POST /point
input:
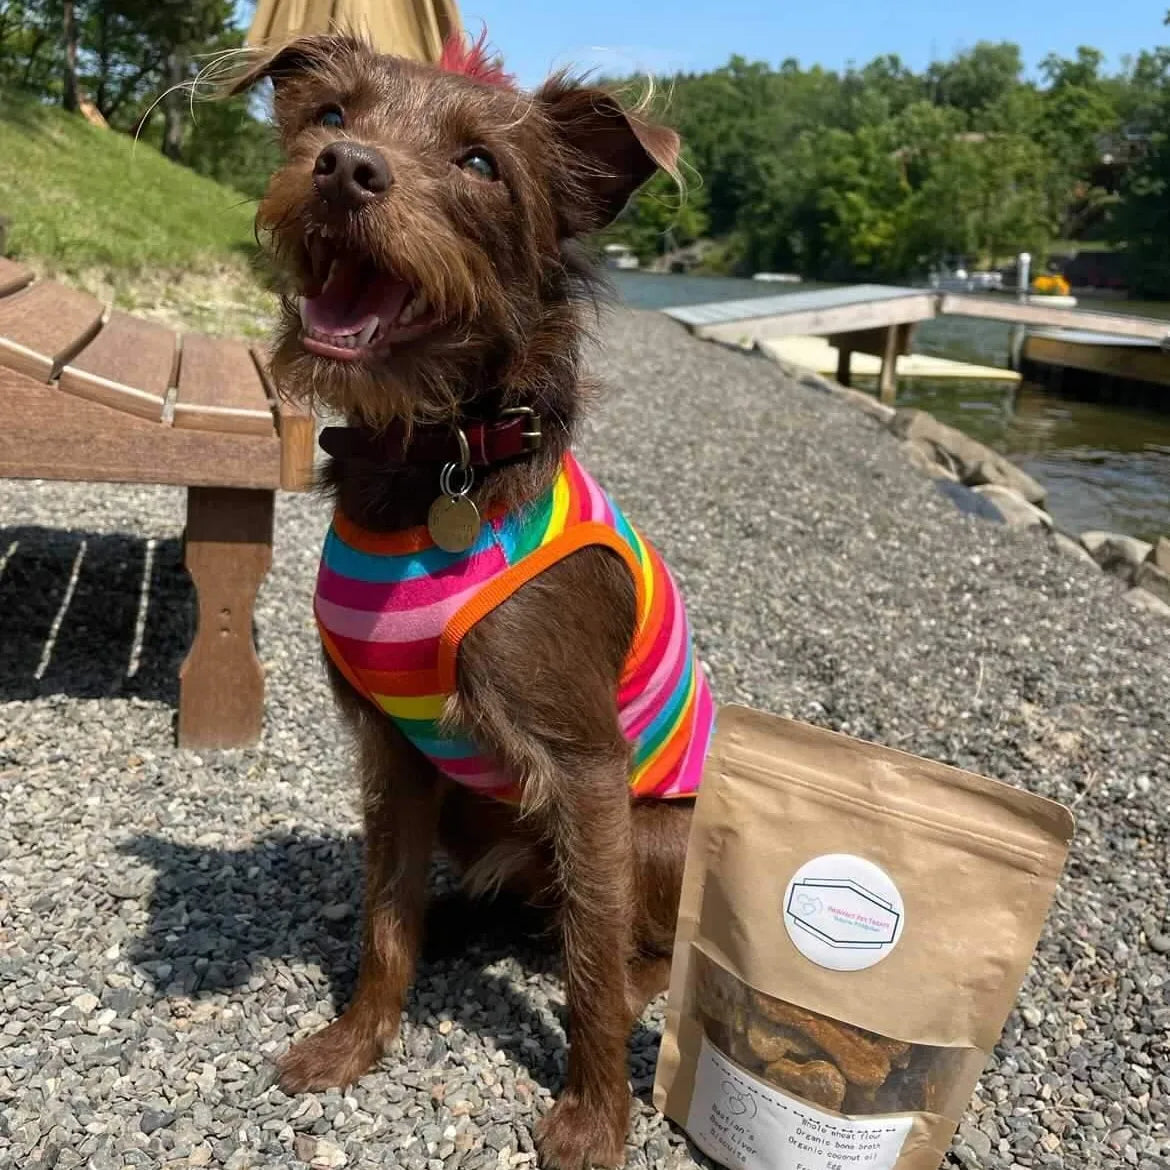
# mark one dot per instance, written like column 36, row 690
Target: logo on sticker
column 843, row 912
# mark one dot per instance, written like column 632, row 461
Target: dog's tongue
column 352, row 297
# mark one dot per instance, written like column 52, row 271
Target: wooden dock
column 879, row 319
column 818, row 355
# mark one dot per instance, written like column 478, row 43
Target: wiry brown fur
column 538, row 676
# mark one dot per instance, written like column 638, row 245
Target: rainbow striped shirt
column 392, row 609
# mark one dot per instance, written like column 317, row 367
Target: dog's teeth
column 367, row 334
column 304, row 314
column 407, row 314
column 332, row 273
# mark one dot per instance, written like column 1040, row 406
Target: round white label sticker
column 843, row 912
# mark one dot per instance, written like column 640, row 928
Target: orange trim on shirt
column 500, row 588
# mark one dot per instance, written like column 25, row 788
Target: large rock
column 1072, row 548
column 921, row 457
column 1017, row 513
column 972, row 462
column 1116, row 553
column 1154, row 580
column 1161, row 554
column 968, row 501
column 1140, row 599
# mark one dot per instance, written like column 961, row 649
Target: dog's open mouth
column 352, row 309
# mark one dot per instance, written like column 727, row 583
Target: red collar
column 516, row 432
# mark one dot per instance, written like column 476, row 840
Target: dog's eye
column 331, row 116
column 479, row 163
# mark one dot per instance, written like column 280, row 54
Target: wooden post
column 228, row 552
column 888, row 379
column 844, row 356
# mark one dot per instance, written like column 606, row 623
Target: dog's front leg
column 538, row 682
column 592, row 843
column 401, row 796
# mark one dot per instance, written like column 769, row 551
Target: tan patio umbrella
column 407, row 28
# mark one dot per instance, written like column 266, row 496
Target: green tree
column 976, row 78
column 660, row 219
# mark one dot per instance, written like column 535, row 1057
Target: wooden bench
column 92, row 394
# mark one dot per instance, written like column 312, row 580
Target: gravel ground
column 169, row 921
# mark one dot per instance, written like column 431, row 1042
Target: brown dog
column 430, row 218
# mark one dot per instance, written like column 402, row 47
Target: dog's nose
column 349, row 175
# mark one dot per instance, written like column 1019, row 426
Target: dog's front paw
column 332, row 1058
column 576, row 1135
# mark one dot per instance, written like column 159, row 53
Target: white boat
column 777, row 277
column 960, row 280
column 620, row 256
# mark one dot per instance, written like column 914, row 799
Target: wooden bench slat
column 46, row 436
column 13, row 276
column 128, row 366
column 297, row 430
column 44, row 326
column 220, row 388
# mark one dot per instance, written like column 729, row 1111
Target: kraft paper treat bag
column 854, row 928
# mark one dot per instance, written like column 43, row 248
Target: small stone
column 318, row 1152
column 86, row 1003
column 499, row 1137
column 1032, row 1016
column 337, row 911
column 153, row 1119
column 976, row 1139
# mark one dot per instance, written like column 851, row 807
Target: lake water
column 1104, row 467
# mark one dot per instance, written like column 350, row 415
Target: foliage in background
column 130, row 53
column 877, row 171
column 883, row 172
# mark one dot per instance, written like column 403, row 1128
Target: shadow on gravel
column 215, row 915
column 91, row 615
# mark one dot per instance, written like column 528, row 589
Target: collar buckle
column 533, row 437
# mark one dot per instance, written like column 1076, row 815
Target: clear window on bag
column 825, row 1061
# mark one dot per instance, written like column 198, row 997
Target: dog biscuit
column 817, row 1081
column 863, row 1062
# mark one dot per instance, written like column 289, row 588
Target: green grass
column 81, row 198
column 119, row 219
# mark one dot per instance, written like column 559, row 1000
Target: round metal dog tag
column 453, row 522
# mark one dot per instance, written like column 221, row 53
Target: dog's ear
column 291, row 59
column 612, row 151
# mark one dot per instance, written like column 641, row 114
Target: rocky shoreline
column 981, row 482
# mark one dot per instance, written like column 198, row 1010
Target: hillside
column 117, row 217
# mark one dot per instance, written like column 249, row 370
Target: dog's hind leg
column 661, row 830
column 401, row 795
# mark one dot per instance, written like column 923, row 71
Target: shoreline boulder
column 973, row 463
